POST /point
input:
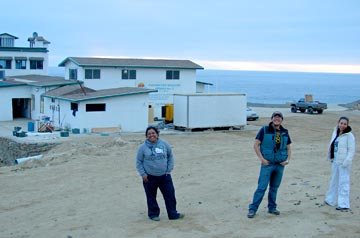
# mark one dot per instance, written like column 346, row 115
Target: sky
column 271, row 35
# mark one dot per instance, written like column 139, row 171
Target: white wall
column 209, row 110
column 13, row 71
column 36, row 113
column 7, row 94
column 128, row 112
column 150, row 78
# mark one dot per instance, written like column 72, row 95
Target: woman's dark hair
column 344, row 118
column 152, row 128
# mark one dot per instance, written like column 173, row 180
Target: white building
column 165, row 76
column 75, row 106
column 21, row 96
column 67, row 104
column 23, row 60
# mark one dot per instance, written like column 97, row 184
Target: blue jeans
column 165, row 184
column 269, row 175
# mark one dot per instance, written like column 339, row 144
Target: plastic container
column 64, row 134
column 75, row 131
column 21, row 134
column 31, row 126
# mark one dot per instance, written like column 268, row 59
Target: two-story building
column 95, row 92
column 26, row 91
column 23, row 60
column 164, row 75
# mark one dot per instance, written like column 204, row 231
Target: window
column 5, row 63
column 74, row 106
column 41, row 104
column 73, row 74
column 6, row 42
column 172, row 74
column 36, row 64
column 92, row 73
column 128, row 74
column 20, row 64
column 100, row 107
column 32, row 102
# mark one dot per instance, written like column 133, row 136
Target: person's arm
column 286, row 162
column 140, row 164
column 350, row 150
column 258, row 152
column 170, row 158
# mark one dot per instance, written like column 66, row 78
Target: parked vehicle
column 251, row 115
column 310, row 106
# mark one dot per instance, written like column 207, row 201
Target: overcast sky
column 288, row 35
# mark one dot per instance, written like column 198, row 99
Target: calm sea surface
column 277, row 87
column 282, row 87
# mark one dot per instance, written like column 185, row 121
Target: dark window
column 128, row 74
column 73, row 74
column 101, row 107
column 74, row 106
column 92, row 73
column 88, row 74
column 5, row 64
column 20, row 64
column 172, row 74
column 36, row 64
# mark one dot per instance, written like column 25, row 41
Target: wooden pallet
column 225, row 128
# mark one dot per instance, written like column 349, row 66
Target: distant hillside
column 57, row 71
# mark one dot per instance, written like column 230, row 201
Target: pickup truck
column 310, row 107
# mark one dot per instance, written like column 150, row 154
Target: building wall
column 130, row 113
column 7, row 94
column 38, row 104
column 13, row 71
column 148, row 78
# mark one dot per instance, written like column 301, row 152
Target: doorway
column 21, row 108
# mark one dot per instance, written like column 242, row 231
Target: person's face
column 277, row 120
column 342, row 124
column 152, row 136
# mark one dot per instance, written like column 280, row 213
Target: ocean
column 283, row 87
column 277, row 87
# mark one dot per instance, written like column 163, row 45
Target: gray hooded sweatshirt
column 154, row 158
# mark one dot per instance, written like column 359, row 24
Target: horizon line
column 262, row 66
column 280, row 67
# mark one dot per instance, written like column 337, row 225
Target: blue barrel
column 31, row 126
column 64, row 134
column 76, row 131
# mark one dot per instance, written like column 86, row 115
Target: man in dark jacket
column 272, row 146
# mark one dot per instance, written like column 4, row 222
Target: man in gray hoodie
column 154, row 163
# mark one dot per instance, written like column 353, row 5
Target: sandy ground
column 88, row 186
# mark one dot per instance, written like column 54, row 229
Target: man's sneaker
column 342, row 208
column 326, row 203
column 155, row 218
column 251, row 214
column 274, row 212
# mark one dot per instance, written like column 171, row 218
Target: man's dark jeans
column 269, row 175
